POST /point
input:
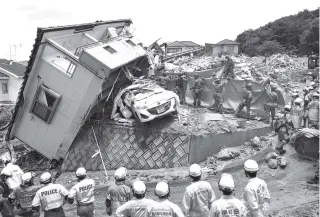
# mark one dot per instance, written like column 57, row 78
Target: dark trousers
column 29, row 214
column 197, row 100
column 58, row 212
column 85, row 210
column 243, row 104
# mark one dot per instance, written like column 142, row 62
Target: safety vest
column 50, row 196
column 165, row 208
column 227, row 205
column 118, row 194
column 83, row 191
column 24, row 195
column 136, row 208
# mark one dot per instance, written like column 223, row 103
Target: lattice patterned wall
column 129, row 147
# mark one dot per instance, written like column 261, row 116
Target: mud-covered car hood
column 150, row 99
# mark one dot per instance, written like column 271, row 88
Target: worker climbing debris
column 229, row 68
column 217, row 94
column 281, row 127
column 197, row 90
column 11, row 172
column 246, row 100
column 198, row 196
column 256, row 196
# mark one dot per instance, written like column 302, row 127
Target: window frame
column 7, row 87
column 131, row 43
column 54, row 107
column 112, row 51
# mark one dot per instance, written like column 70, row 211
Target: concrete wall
column 137, row 149
column 77, row 94
column 202, row 147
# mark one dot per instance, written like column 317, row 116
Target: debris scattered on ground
column 227, row 154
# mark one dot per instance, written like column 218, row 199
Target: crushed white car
column 145, row 102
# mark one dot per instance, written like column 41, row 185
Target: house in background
column 224, row 46
column 178, row 46
column 11, row 77
column 70, row 73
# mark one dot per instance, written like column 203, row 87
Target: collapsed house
column 70, row 75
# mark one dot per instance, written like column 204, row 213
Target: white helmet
column 45, row 178
column 81, row 172
column 6, row 171
column 120, row 173
column 312, row 83
column 195, row 170
column 226, row 182
column 251, row 166
column 298, row 100
column 162, row 189
column 26, row 177
column 287, row 107
column 5, row 159
column 139, row 187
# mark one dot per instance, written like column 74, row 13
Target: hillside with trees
column 295, row 34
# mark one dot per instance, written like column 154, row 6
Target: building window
column 4, row 88
column 71, row 68
column 45, row 103
column 131, row 43
column 110, row 49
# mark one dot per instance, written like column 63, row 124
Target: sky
column 201, row 21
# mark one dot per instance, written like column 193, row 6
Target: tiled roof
column 40, row 32
column 3, row 75
column 227, row 41
column 183, row 44
column 15, row 68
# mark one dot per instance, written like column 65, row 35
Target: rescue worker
column 228, row 70
column 198, row 196
column 12, row 173
column 24, row 194
column 227, row 204
column 293, row 98
column 306, row 100
column 217, row 94
column 140, row 207
column 282, row 126
column 164, row 81
column 256, row 196
column 182, row 83
column 297, row 113
column 271, row 105
column 50, row 197
column 118, row 193
column 6, row 208
column 164, row 208
column 246, row 100
column 83, row 193
column 315, row 179
column 313, row 112
column 197, row 90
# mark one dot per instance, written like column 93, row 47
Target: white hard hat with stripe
column 251, row 166
column 81, row 172
column 139, row 187
column 26, row 177
column 45, row 177
column 120, row 173
column 195, row 170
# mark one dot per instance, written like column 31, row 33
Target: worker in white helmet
column 118, row 193
column 297, row 113
column 227, row 204
column 256, row 196
column 50, row 197
column 140, row 207
column 24, row 194
column 6, row 208
column 12, row 173
column 312, row 112
column 83, row 193
column 198, row 196
column 294, row 96
column 164, row 208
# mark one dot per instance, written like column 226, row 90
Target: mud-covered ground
column 290, row 194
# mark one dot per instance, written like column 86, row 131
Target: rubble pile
column 274, row 161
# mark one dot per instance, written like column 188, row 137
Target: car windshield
column 144, row 93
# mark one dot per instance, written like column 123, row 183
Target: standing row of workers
column 121, row 200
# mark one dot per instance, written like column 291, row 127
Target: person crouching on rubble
column 297, row 114
column 164, row 207
column 83, row 192
column 256, row 196
column 51, row 197
column 246, row 100
column 227, row 204
column 24, row 194
column 6, row 208
column 12, row 173
column 198, row 196
column 118, row 193
column 313, row 112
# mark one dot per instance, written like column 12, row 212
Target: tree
column 270, row 47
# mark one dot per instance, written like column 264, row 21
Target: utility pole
column 13, row 48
